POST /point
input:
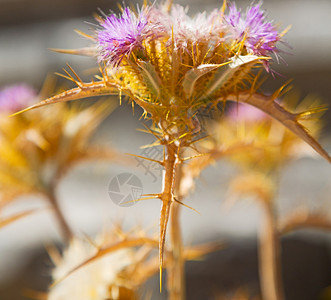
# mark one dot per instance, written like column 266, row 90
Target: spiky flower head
column 165, row 59
column 120, row 35
column 271, row 145
column 259, row 36
column 16, row 97
column 114, row 266
column 172, row 64
column 94, row 280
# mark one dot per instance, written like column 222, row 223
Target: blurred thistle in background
column 38, row 148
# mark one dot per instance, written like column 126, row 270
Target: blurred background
column 28, row 28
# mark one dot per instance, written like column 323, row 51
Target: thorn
column 63, row 76
column 143, row 157
column 282, row 90
column 194, row 156
column 158, row 195
column 152, row 132
column 308, row 113
column 140, row 199
column 87, row 51
column 156, row 143
column 178, row 138
column 168, row 5
column 73, row 71
column 83, row 34
column 187, row 206
column 223, row 9
column 285, row 31
column 90, row 241
column 72, row 78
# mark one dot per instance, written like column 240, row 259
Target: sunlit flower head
column 259, row 36
column 16, row 97
column 93, row 281
column 120, row 35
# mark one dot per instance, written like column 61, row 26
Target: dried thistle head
column 113, row 266
column 172, row 64
column 254, row 141
column 271, row 144
column 38, row 147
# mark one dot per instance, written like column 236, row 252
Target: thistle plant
column 259, row 171
column 173, row 65
column 38, row 148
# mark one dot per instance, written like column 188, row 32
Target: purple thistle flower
column 121, row 35
column 16, row 97
column 260, row 36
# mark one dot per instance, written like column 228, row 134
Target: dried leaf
column 194, row 74
column 231, row 73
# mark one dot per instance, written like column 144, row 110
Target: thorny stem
column 171, row 185
column 176, row 267
column 166, row 197
column 65, row 228
column 269, row 257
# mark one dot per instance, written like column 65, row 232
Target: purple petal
column 16, row 97
column 121, row 35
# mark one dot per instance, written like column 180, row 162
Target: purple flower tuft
column 121, row 35
column 260, row 36
column 16, row 97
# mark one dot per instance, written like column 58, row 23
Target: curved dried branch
column 84, row 90
column 302, row 220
